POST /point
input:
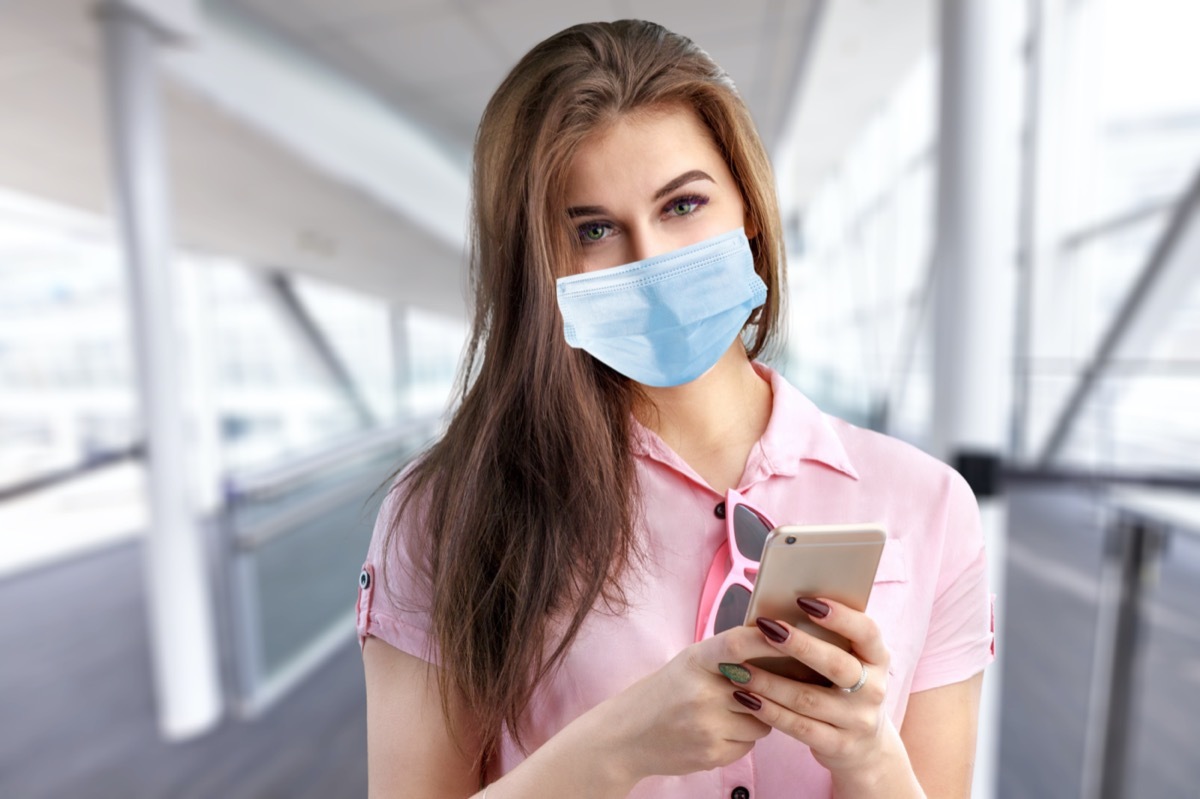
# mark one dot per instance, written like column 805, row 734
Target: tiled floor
column 76, row 706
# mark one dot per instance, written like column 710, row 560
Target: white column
column 182, row 634
column 1045, row 330
column 974, row 284
column 402, row 362
column 199, row 380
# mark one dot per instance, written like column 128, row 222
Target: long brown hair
column 528, row 503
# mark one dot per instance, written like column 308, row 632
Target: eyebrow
column 670, row 186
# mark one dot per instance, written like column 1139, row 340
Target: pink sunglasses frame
column 729, row 568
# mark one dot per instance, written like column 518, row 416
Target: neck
column 728, row 405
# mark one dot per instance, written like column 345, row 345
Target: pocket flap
column 892, row 566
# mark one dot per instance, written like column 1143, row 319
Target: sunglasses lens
column 750, row 531
column 732, row 610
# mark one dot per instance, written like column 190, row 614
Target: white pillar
column 974, row 284
column 402, row 362
column 1044, row 332
column 182, row 631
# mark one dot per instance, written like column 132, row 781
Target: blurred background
column 233, row 298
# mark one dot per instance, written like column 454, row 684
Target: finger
column 744, row 726
column 839, row 666
column 736, row 645
column 805, row 699
column 855, row 626
column 819, row 735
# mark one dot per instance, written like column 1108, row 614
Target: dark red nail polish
column 772, row 629
column 813, row 607
column 748, row 700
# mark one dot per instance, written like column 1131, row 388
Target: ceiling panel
column 416, row 51
column 740, row 59
column 517, row 25
column 60, row 24
column 233, row 191
column 324, row 14
column 709, row 21
column 461, row 102
column 407, row 52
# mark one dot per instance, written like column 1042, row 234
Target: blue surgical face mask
column 668, row 319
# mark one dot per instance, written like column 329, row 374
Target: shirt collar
column 797, row 431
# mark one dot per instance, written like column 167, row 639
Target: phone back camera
column 791, row 539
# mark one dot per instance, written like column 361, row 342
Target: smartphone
column 834, row 561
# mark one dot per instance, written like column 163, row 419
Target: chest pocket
column 889, row 603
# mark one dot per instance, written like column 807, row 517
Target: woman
column 529, row 602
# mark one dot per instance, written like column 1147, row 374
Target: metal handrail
column 1092, row 477
column 277, row 476
column 90, row 464
column 250, row 537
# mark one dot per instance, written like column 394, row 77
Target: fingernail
column 813, row 607
column 736, row 673
column 748, row 700
column 772, row 629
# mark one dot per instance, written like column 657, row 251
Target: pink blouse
column 930, row 597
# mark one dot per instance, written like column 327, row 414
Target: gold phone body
column 834, row 561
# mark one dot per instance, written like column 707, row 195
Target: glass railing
column 1101, row 644
column 292, row 540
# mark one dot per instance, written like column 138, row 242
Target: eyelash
column 698, row 201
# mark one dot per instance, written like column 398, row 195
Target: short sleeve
column 960, row 640
column 394, row 598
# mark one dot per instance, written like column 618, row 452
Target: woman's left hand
column 844, row 730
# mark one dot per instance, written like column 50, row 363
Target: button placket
column 738, row 777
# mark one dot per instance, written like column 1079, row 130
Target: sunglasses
column 730, row 581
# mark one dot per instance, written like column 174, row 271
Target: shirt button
column 719, row 512
column 740, row 793
column 364, row 580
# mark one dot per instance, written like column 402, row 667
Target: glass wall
column 857, row 284
column 67, row 395
column 255, row 391
column 1132, row 148
column 1129, row 135
column 1123, row 137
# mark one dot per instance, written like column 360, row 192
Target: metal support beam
column 332, row 123
column 974, row 275
column 279, row 290
column 182, row 631
column 1131, row 556
column 1168, row 275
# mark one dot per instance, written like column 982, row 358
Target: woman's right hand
column 677, row 720
column 684, row 718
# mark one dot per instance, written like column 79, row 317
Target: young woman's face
column 649, row 183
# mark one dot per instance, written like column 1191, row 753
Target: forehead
column 638, row 152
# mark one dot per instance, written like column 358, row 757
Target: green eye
column 593, row 232
column 683, row 207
